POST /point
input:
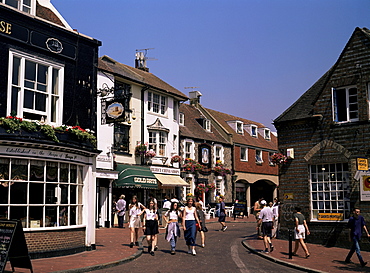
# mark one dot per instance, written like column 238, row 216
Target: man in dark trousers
column 356, row 223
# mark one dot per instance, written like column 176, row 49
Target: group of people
column 191, row 217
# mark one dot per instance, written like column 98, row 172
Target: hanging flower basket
column 211, row 186
column 141, row 149
column 150, row 154
column 278, row 159
column 201, row 188
column 191, row 166
column 175, row 159
column 220, row 169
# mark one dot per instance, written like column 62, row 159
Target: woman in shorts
column 135, row 211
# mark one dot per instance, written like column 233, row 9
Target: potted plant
column 141, row 149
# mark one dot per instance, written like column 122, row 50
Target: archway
column 262, row 188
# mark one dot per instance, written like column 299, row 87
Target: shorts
column 267, row 228
column 301, row 234
column 135, row 222
column 151, row 227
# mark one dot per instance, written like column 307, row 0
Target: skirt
column 151, row 227
column 135, row 222
column 190, row 232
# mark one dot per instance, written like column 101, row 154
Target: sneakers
column 155, row 248
column 266, row 250
column 189, row 250
column 224, row 228
column 131, row 245
column 203, row 245
column 363, row 264
column 272, row 249
column 193, row 252
column 173, row 252
column 152, row 253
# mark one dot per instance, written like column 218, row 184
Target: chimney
column 140, row 61
column 194, row 97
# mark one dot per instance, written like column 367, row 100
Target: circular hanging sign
column 115, row 110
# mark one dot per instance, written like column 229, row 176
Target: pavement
column 112, row 248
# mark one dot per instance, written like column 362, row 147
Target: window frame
column 182, row 119
column 191, row 153
column 339, row 110
column 125, row 138
column 22, row 6
column 254, row 131
column 160, row 144
column 52, row 117
column 245, row 159
column 259, row 155
column 267, row 134
column 239, row 127
column 161, row 104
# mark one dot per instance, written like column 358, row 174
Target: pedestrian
column 199, row 200
column 202, row 228
column 121, row 210
column 265, row 222
column 150, row 226
column 135, row 211
column 189, row 220
column 114, row 210
column 173, row 228
column 301, row 229
column 355, row 224
column 256, row 212
column 222, row 213
column 275, row 211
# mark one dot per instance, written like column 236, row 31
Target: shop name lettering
column 40, row 153
column 145, row 180
column 5, row 27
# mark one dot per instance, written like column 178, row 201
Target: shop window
column 345, row 104
column 41, row 193
column 36, row 89
column 330, row 190
column 157, row 103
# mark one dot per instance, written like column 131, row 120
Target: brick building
column 326, row 132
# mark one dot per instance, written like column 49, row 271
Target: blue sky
column 249, row 58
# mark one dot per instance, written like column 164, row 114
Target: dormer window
column 23, row 5
column 182, row 119
column 239, row 127
column 253, row 130
column 267, row 134
column 207, row 125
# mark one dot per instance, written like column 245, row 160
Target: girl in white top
column 189, row 220
column 135, row 211
column 173, row 229
column 151, row 226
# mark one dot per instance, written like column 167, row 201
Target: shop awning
column 133, row 176
column 171, row 180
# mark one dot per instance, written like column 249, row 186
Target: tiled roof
column 192, row 129
column 108, row 64
column 47, row 14
column 304, row 106
column 245, row 139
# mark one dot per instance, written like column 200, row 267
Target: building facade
column 326, row 133
column 47, row 157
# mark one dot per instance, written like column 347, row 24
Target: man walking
column 356, row 223
column 121, row 210
column 222, row 216
column 266, row 218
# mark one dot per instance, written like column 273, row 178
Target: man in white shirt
column 266, row 218
column 275, row 211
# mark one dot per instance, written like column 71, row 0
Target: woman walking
column 202, row 220
column 300, row 231
column 189, row 220
column 173, row 229
column 151, row 226
column 136, row 209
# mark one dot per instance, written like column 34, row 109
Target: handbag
column 204, row 229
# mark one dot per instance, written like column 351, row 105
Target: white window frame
column 267, row 134
column 218, row 148
column 270, row 162
column 245, row 154
column 207, row 125
column 348, row 106
column 239, row 127
column 23, row 6
column 259, row 158
column 189, row 144
column 329, row 189
column 159, row 145
column 254, row 131
column 181, row 119
column 158, row 107
column 21, row 87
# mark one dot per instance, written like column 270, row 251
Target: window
column 123, row 91
column 267, row 134
column 121, row 138
column 175, row 110
column 259, row 156
column 270, row 162
column 239, row 127
column 243, row 154
column 41, row 193
column 219, row 153
column 254, row 131
column 157, row 103
column 345, row 104
column 182, row 119
column 330, row 189
column 207, row 125
column 23, row 5
column 174, row 145
column 157, row 142
column 35, row 89
column 188, row 150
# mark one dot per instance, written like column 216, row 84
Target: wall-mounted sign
column 365, row 188
column 288, row 196
column 204, row 156
column 14, row 31
column 330, row 216
column 362, row 164
column 54, row 45
column 115, row 110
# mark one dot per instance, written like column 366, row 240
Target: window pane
column 50, row 216
column 40, row 102
column 30, row 73
column 4, row 169
column 19, row 169
column 64, row 194
column 55, row 81
column 13, row 3
column 73, row 174
column 36, row 217
column 51, row 197
column 16, row 67
column 18, row 193
column 52, row 171
column 63, row 216
column 28, row 99
column 36, row 193
column 64, row 170
column 37, row 170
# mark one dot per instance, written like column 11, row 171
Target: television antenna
column 191, row 87
column 141, row 57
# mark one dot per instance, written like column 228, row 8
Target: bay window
column 158, row 142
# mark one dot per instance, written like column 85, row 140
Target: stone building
column 326, row 133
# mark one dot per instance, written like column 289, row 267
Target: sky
column 249, row 58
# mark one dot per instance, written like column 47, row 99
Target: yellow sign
column 5, row 27
column 288, row 196
column 362, row 164
column 331, row 216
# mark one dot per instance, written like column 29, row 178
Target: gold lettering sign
column 362, row 164
column 5, row 27
column 330, row 216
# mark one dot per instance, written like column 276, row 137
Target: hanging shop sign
column 362, row 164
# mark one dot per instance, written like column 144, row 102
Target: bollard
column 290, row 232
